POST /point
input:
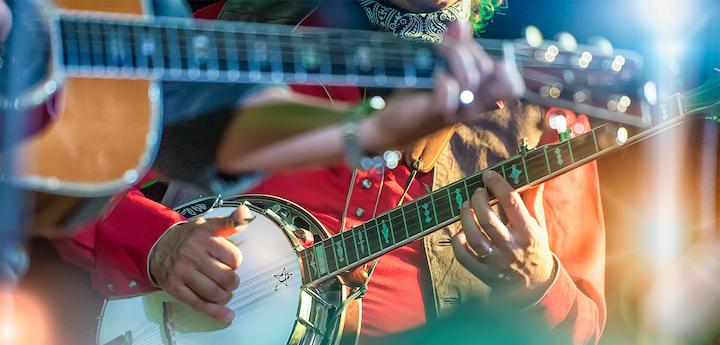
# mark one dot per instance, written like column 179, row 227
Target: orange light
column 22, row 320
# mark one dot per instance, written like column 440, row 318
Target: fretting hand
column 195, row 263
column 514, row 259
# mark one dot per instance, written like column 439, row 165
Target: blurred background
column 660, row 196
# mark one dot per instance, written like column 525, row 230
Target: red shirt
column 115, row 249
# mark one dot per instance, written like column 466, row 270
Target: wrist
column 153, row 262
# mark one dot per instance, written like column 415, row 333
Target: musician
column 405, row 117
column 549, row 258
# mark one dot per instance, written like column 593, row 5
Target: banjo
column 291, row 294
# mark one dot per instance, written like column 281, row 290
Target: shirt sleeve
column 574, row 305
column 115, row 248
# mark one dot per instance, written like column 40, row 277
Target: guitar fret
column 513, row 172
column 412, row 219
column 385, row 232
column 582, row 147
column 340, row 252
column 141, row 57
column 326, row 67
column 397, row 222
column 362, row 241
column 570, row 150
column 443, row 206
column 320, row 258
column 373, row 237
column 330, row 254
column 597, row 148
column 409, row 68
column 547, row 159
column 454, row 192
column 98, row 51
column 85, row 48
column 173, row 50
column 232, row 68
column 312, row 263
column 537, row 165
column 70, row 48
column 349, row 242
column 426, row 212
column 276, row 59
column 304, row 58
column 154, row 44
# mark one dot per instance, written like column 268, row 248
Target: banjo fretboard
column 441, row 207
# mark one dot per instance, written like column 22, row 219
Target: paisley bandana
column 428, row 26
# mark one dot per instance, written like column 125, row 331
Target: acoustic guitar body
column 104, row 132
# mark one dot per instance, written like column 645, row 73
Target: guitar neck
column 196, row 50
column 402, row 225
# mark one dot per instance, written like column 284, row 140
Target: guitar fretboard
column 196, row 50
column 435, row 210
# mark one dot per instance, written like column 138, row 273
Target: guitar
column 108, row 65
column 291, row 293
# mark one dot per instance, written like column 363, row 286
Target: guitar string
column 242, row 289
column 537, row 76
column 237, row 304
column 242, row 46
column 398, row 56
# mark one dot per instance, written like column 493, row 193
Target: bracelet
column 351, row 141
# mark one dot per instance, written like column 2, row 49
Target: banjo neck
column 440, row 208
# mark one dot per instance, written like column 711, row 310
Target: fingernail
column 486, row 175
column 229, row 316
column 244, row 221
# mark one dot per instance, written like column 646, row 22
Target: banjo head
column 270, row 305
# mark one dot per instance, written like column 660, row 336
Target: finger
column 220, row 273
column 447, row 93
column 477, row 240
column 459, row 31
column 504, row 83
column 534, row 197
column 510, row 201
column 466, row 258
column 225, row 251
column 231, row 224
column 461, row 64
column 205, row 287
column 484, row 63
column 214, row 310
column 488, row 220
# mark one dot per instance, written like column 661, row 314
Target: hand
column 412, row 115
column 471, row 70
column 196, row 264
column 514, row 259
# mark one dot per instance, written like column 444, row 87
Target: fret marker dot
column 467, row 97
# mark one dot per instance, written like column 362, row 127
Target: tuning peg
column 533, row 36
column 566, row 41
column 602, row 43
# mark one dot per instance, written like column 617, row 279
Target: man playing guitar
column 550, row 257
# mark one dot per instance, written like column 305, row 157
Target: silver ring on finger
column 486, row 254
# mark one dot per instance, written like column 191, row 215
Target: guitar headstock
column 594, row 79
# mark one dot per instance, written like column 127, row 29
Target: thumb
column 231, row 224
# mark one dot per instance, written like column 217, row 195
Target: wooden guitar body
column 104, row 132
